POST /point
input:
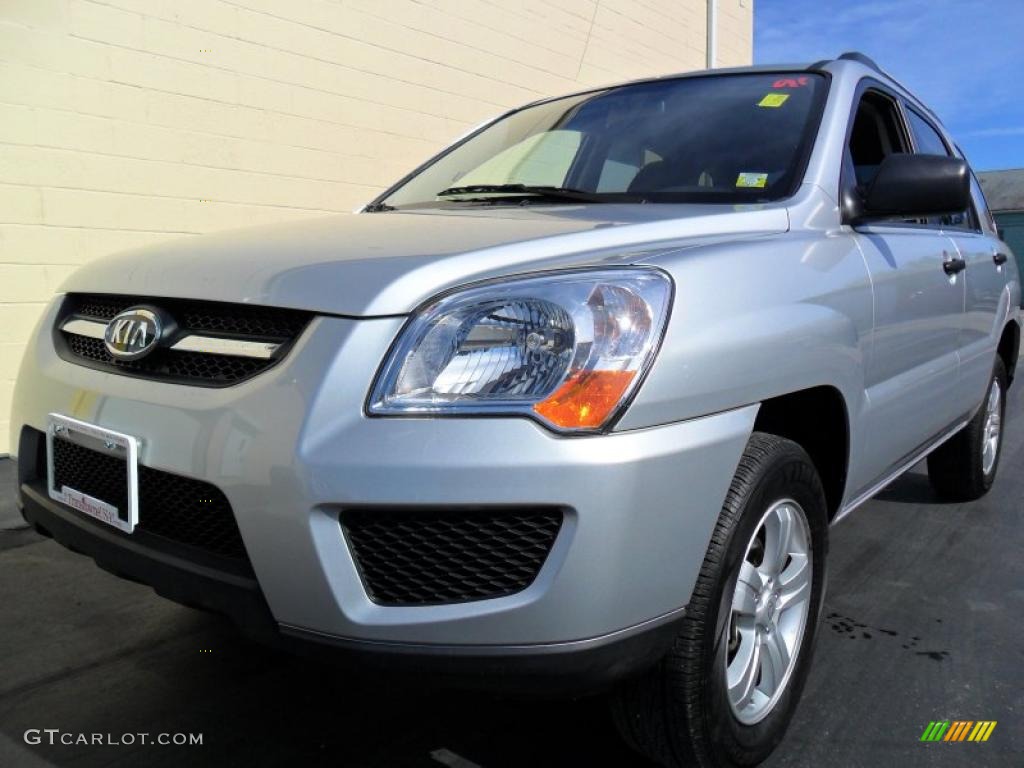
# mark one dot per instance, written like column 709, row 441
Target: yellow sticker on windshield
column 756, row 180
column 773, row 100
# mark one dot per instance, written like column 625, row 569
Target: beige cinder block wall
column 124, row 122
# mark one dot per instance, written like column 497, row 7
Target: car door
column 974, row 236
column 911, row 375
column 987, row 300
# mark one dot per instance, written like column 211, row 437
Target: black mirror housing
column 918, row 185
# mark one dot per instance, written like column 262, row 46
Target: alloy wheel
column 769, row 613
column 993, row 427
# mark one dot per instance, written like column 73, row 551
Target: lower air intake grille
column 91, row 472
column 178, row 509
column 449, row 556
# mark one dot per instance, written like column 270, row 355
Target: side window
column 877, row 133
column 930, row 142
column 988, row 221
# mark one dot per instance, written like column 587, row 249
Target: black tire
column 956, row 468
column 678, row 713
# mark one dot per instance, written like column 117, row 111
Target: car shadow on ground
column 912, row 488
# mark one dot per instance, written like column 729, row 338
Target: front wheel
column 964, row 467
column 725, row 693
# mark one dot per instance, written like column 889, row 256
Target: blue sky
column 963, row 58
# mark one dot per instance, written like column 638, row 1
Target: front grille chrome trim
column 208, row 345
column 212, row 345
column 80, row 327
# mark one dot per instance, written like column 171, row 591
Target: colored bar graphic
column 958, row 730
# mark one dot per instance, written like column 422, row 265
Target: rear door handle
column 1000, row 258
column 952, row 266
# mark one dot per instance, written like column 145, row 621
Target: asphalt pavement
column 923, row 621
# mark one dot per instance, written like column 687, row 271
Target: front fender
column 749, row 358
column 759, row 319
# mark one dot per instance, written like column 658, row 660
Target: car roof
column 852, row 64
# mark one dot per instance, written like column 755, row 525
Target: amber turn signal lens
column 586, row 400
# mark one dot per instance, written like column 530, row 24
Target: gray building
column 1004, row 191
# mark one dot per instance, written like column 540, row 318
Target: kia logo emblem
column 132, row 334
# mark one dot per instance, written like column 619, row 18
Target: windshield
column 720, row 139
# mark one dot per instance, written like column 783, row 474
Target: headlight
column 566, row 348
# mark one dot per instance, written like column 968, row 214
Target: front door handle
column 952, row 266
column 1000, row 258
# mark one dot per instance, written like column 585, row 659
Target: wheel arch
column 1009, row 348
column 818, row 420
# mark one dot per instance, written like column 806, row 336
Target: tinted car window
column 929, row 142
column 985, row 217
column 716, row 138
column 875, row 135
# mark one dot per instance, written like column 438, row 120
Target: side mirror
column 918, row 185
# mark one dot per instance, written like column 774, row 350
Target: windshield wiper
column 553, row 193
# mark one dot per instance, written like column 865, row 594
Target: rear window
column 714, row 139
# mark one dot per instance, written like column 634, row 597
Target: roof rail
column 867, row 61
column 864, row 59
column 857, row 56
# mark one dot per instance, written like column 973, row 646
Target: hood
column 376, row 264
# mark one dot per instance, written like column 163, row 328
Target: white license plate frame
column 97, row 438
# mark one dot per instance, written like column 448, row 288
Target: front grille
column 190, row 513
column 174, row 366
column 231, row 321
column 449, row 556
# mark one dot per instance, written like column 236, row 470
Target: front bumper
column 552, row 668
column 292, row 448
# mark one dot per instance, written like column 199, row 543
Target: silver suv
column 573, row 405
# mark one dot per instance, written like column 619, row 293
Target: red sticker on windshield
column 790, row 82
